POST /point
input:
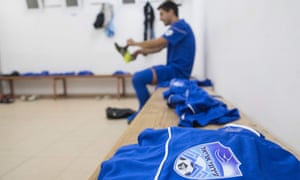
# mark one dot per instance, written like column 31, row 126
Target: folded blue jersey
column 232, row 153
column 195, row 107
column 178, row 86
column 215, row 115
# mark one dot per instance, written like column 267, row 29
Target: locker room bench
column 156, row 114
column 120, row 89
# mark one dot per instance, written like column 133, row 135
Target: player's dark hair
column 168, row 5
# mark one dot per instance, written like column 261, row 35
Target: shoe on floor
column 32, row 98
column 118, row 113
column 6, row 99
column 29, row 98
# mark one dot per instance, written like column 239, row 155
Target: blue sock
column 140, row 80
column 131, row 117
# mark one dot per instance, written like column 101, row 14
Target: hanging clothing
column 149, row 21
column 109, row 26
column 104, row 19
column 99, row 22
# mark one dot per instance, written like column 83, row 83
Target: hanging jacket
column 148, row 22
column 99, row 22
column 105, row 19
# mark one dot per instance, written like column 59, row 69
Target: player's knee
column 140, row 78
column 137, row 78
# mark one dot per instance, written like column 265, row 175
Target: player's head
column 168, row 10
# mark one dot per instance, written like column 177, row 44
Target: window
column 72, row 3
column 32, row 4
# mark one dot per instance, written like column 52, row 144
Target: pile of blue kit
column 195, row 107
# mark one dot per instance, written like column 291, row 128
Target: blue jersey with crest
column 233, row 152
column 181, row 48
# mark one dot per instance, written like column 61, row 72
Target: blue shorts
column 164, row 73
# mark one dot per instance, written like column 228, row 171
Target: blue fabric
column 202, row 83
column 140, row 80
column 181, row 48
column 120, row 72
column 30, row 74
column 195, row 107
column 178, row 86
column 85, row 73
column 47, row 73
column 71, row 73
column 164, row 73
column 110, row 28
column 174, row 100
column 43, row 73
column 231, row 153
column 132, row 117
column 180, row 60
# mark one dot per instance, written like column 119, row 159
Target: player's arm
column 145, row 52
column 154, row 44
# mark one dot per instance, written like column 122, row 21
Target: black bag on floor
column 118, row 113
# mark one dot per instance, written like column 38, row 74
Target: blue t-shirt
column 181, row 48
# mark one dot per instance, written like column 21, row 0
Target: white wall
column 1, row 88
column 253, row 59
column 61, row 39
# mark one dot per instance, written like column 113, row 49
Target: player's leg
column 140, row 80
column 154, row 76
column 162, row 73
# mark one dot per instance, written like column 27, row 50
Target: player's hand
column 130, row 42
column 135, row 54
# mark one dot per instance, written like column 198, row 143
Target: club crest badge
column 207, row 161
column 169, row 32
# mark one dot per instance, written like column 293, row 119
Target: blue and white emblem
column 207, row 161
column 169, row 32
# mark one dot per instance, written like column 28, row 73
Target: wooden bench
column 156, row 114
column 120, row 88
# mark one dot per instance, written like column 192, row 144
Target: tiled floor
column 62, row 139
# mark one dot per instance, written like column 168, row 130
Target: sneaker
column 29, row 98
column 6, row 99
column 118, row 113
column 32, row 98
column 124, row 52
column 23, row 98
